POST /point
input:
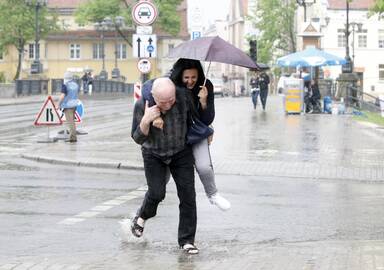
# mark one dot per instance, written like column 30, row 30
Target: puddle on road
column 16, row 167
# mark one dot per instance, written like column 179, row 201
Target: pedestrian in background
column 166, row 150
column 68, row 101
column 87, row 82
column 84, row 79
column 90, row 83
column 264, row 88
column 255, row 88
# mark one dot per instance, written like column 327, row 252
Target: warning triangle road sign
column 62, row 116
column 48, row 115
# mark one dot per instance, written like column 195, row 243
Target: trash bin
column 327, row 104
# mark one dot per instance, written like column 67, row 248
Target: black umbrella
column 212, row 49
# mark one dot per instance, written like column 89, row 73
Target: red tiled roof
column 355, row 4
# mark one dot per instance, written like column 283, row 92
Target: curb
column 104, row 165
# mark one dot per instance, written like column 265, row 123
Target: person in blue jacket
column 189, row 74
column 68, row 101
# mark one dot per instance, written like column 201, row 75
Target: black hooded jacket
column 208, row 115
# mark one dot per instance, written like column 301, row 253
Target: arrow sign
column 138, row 46
column 144, row 46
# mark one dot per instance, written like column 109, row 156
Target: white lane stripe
column 56, row 267
column 71, row 221
column 126, row 198
column 8, row 266
column 87, row 214
column 101, row 208
column 114, row 202
column 25, row 266
column 98, row 209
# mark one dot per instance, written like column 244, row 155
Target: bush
column 2, row 77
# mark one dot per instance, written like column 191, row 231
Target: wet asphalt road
column 287, row 212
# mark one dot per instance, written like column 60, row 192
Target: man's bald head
column 164, row 93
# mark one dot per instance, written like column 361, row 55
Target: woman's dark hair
column 183, row 64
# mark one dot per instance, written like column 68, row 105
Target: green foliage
column 2, row 77
column 378, row 8
column 96, row 10
column 371, row 117
column 17, row 24
column 275, row 21
column 168, row 19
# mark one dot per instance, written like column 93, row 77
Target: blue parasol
column 310, row 57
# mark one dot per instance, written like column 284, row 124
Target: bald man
column 166, row 149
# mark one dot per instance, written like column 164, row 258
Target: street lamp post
column 359, row 27
column 36, row 66
column 348, row 66
column 305, row 4
column 118, row 22
column 102, row 27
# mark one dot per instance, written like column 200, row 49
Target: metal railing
column 31, row 87
column 360, row 100
column 38, row 87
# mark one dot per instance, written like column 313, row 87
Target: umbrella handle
column 205, row 80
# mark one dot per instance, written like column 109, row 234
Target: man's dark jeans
column 263, row 97
column 182, row 171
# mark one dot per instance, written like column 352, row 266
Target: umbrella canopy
column 213, row 49
column 310, row 57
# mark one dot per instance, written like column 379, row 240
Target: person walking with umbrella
column 189, row 73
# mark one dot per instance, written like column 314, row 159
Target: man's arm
column 142, row 119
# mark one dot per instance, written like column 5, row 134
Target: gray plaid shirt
column 171, row 139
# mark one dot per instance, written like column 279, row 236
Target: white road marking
column 107, row 205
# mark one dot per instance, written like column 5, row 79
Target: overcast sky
column 210, row 10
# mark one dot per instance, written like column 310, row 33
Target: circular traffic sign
column 150, row 48
column 144, row 13
column 144, row 65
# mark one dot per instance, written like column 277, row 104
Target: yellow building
column 79, row 49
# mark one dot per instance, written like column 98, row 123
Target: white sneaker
column 220, row 202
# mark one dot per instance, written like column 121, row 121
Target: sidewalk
column 22, row 100
column 246, row 142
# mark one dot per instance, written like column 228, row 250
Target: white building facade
column 366, row 43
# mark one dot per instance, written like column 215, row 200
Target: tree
column 96, row 10
column 274, row 20
column 378, row 8
column 17, row 26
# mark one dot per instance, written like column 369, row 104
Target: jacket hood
column 183, row 64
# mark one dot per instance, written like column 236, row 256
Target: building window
column 362, row 39
column 32, row 51
column 121, row 51
column 341, row 41
column 74, row 50
column 170, row 47
column 381, row 38
column 381, row 72
column 98, row 51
